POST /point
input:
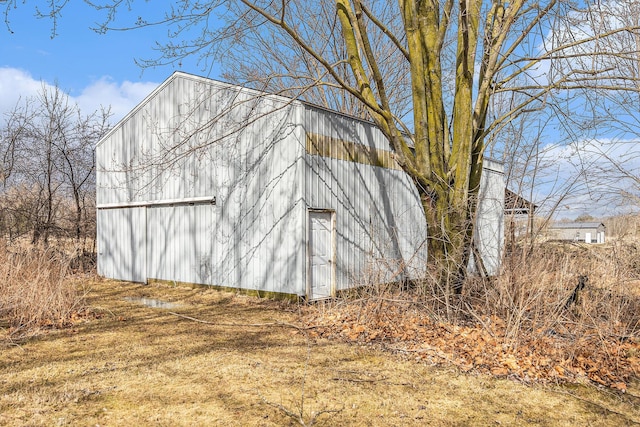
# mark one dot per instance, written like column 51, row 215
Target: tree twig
column 251, row 325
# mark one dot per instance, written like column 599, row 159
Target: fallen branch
column 375, row 380
column 486, row 327
column 247, row 325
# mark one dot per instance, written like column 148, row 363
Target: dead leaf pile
column 537, row 356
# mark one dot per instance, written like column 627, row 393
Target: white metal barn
column 209, row 183
column 588, row 232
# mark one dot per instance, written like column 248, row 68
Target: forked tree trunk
column 450, row 228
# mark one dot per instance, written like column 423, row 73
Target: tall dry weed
column 571, row 290
column 36, row 289
column 556, row 312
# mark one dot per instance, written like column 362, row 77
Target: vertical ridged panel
column 223, row 145
column 126, row 259
column 490, row 216
column 379, row 220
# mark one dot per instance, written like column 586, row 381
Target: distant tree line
column 47, row 169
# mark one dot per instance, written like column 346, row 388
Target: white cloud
column 121, row 97
column 596, row 177
column 16, row 85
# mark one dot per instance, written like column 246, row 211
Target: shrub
column 557, row 312
column 36, row 289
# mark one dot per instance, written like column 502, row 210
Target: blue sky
column 94, row 69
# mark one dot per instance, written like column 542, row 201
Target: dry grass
column 528, row 323
column 36, row 290
column 135, row 365
column 539, row 289
column 536, row 290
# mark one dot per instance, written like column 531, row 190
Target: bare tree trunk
column 450, row 234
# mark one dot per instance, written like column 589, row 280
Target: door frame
column 308, row 251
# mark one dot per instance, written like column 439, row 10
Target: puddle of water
column 152, row 302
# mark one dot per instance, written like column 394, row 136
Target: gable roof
column 516, row 204
column 182, row 75
column 566, row 225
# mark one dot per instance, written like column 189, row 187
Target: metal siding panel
column 257, row 219
column 371, row 204
column 272, row 242
column 179, row 243
column 156, row 243
column 205, row 248
column 489, row 229
column 121, row 244
column 189, row 244
column 177, row 222
column 104, row 231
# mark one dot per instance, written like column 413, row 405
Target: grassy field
column 131, row 364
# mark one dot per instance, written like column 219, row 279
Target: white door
column 587, row 237
column 320, row 254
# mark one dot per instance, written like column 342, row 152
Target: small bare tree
column 47, row 150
